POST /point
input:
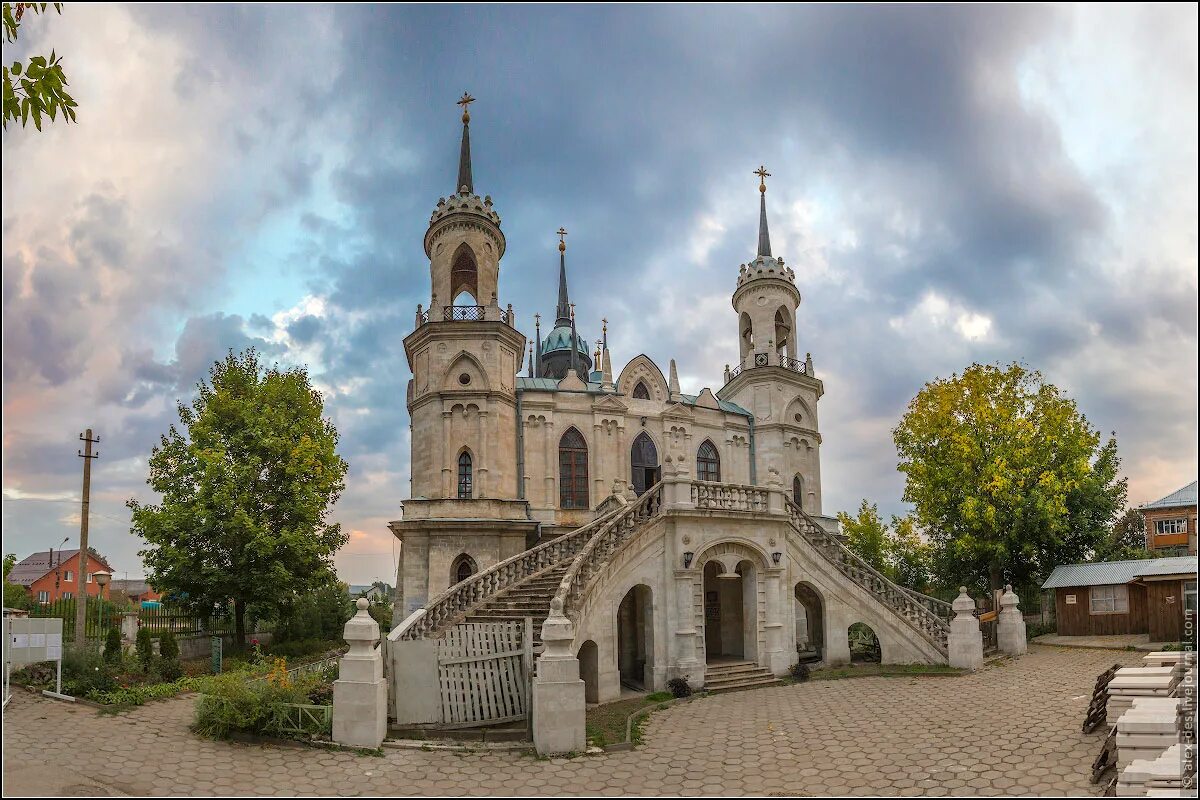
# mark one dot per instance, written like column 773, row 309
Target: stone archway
column 728, row 575
column 810, row 622
column 589, row 671
column 635, row 638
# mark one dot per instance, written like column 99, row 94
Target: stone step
column 726, row 677
column 756, row 682
column 731, row 667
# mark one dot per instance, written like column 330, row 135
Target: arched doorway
column 864, row 644
column 635, row 638
column 730, row 612
column 589, row 671
column 462, row 568
column 810, row 623
column 643, row 460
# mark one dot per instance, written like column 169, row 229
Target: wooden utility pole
column 81, row 573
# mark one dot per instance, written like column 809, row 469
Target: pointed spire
column 564, row 303
column 764, row 236
column 537, row 324
column 674, row 384
column 606, row 376
column 531, row 359
column 464, row 154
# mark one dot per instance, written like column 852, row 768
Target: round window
column 464, row 379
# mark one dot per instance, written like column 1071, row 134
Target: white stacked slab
column 1148, row 729
column 1165, row 658
column 1144, row 775
column 1133, row 682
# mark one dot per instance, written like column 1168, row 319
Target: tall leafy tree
column 34, row 88
column 1007, row 477
column 895, row 550
column 246, row 490
column 1126, row 539
column 15, row 595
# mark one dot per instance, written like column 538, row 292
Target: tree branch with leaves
column 35, row 88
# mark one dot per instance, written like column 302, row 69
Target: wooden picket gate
column 484, row 672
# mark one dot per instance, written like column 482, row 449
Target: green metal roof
column 1106, row 573
column 560, row 339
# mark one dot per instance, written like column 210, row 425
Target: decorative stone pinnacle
column 362, row 604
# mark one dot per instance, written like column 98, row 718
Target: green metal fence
column 102, row 615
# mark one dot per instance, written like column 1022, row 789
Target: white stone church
column 574, row 532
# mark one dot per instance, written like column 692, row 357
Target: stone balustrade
column 451, row 606
column 919, row 611
column 729, row 497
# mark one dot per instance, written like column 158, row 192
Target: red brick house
column 51, row 574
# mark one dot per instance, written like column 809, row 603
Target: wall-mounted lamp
column 776, row 558
column 687, row 559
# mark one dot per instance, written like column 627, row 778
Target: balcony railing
column 765, row 360
column 463, row 314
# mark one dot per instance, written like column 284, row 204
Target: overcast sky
column 950, row 184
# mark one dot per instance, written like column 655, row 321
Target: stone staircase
column 732, row 676
column 529, row 598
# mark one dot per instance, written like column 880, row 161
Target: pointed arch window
column 708, row 462
column 798, row 491
column 465, row 476
column 572, row 470
column 643, row 461
column 640, row 391
column 464, row 274
column 462, row 568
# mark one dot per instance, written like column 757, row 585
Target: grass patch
column 882, row 671
column 606, row 723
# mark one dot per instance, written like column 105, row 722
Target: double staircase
column 529, row 598
column 732, row 676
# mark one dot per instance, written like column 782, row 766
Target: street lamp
column 101, row 580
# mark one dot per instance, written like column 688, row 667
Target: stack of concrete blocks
column 1133, row 682
column 1147, row 729
column 1164, row 776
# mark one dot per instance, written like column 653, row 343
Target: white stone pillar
column 776, row 658
column 482, row 468
column 360, row 692
column 551, row 463
column 1010, row 628
column 559, row 699
column 965, row 641
column 129, row 628
column 687, row 664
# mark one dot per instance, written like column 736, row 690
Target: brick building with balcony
column 1171, row 523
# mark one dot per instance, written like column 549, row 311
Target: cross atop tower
column 465, row 101
column 762, row 174
column 562, row 243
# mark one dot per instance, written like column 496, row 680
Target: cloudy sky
column 950, row 184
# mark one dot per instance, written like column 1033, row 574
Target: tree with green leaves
column 15, row 595
column 1007, row 477
column 35, row 88
column 246, row 490
column 1126, row 539
column 895, row 550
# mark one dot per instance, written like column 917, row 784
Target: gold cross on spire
column 465, row 102
column 572, row 310
column 762, row 174
column 537, row 319
column 562, row 244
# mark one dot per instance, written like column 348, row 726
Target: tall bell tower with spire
column 772, row 379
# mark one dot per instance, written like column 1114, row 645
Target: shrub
column 86, row 671
column 168, row 670
column 800, row 672
column 168, row 648
column 1034, row 629
column 679, row 687
column 112, row 646
column 232, row 704
column 144, row 647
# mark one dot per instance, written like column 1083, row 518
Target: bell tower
column 464, row 352
column 771, row 378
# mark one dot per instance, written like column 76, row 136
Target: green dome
column 560, row 339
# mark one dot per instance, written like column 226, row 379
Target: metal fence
column 102, row 615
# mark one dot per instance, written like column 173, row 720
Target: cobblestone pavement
column 1010, row 729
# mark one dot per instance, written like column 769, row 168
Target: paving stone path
column 1012, row 729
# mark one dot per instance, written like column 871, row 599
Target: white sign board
column 32, row 639
column 1070, row 599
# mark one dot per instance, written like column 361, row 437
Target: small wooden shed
column 1151, row 596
